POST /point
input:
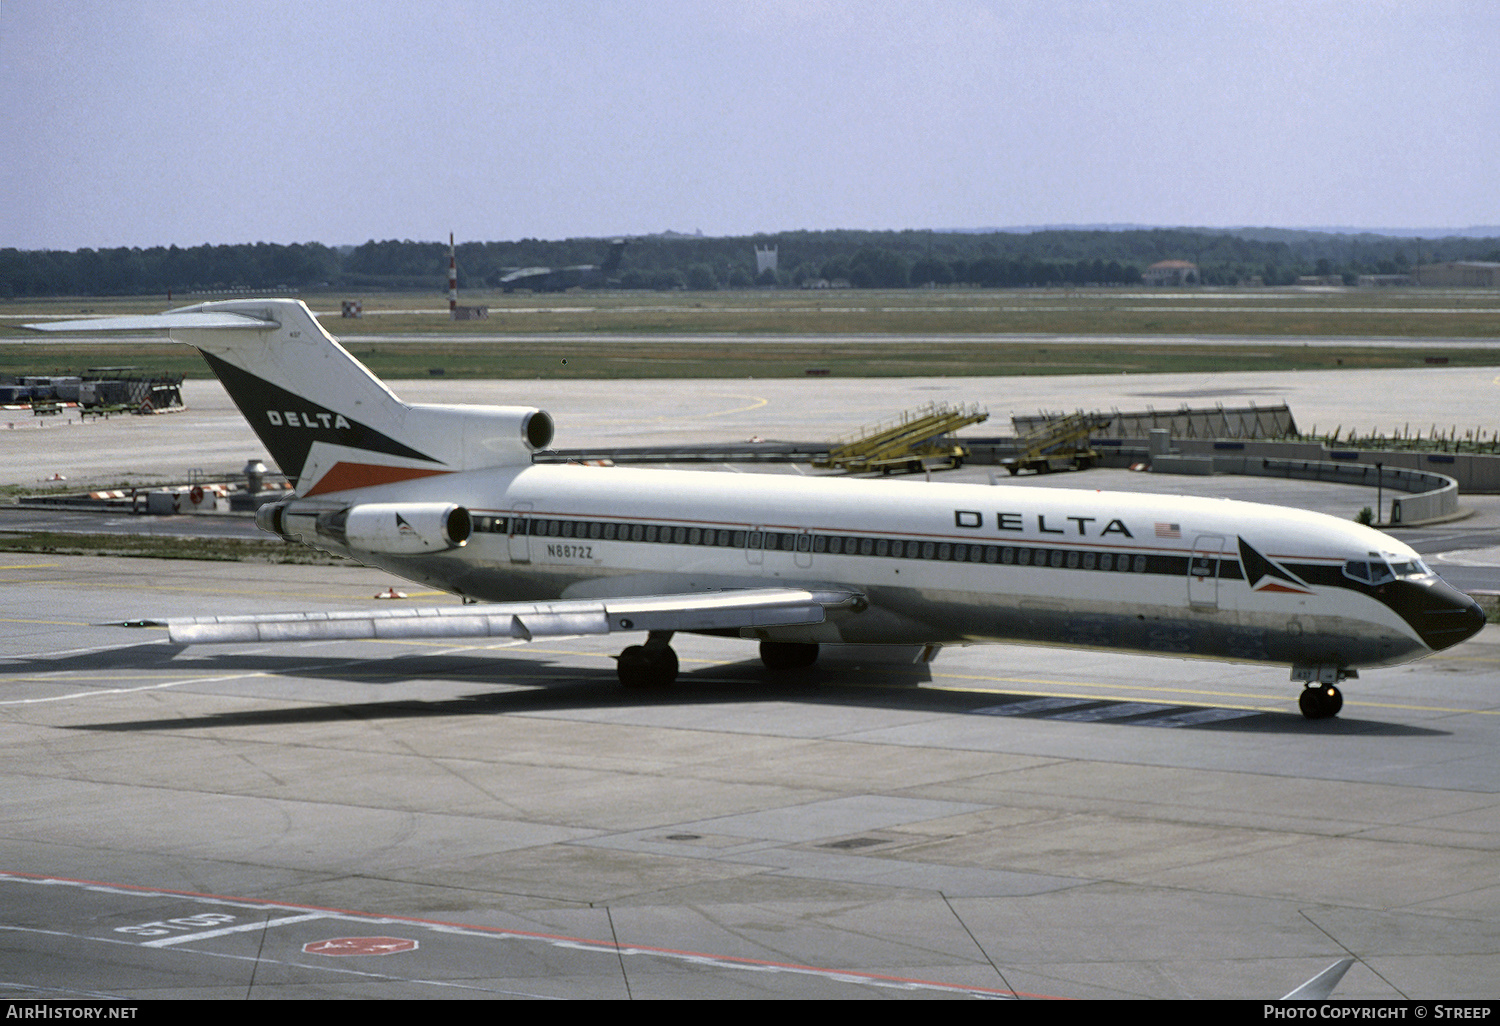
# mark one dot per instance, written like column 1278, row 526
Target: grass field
column 406, row 335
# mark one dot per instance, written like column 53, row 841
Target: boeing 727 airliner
column 449, row 496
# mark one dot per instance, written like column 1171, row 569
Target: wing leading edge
column 699, row 611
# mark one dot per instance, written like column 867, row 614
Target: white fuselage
column 939, row 563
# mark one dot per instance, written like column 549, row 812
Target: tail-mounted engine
column 406, row 528
column 393, row 528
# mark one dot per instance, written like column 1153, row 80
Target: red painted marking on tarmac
column 359, row 946
column 500, row 931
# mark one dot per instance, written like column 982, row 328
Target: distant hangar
column 1460, row 274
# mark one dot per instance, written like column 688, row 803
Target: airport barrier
column 1427, row 496
column 1174, row 464
column 1247, row 431
column 1476, row 473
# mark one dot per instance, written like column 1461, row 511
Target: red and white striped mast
column 452, row 281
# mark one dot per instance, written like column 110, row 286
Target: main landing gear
column 787, row 655
column 1321, row 698
column 652, row 665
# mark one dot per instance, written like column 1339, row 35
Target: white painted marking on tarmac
column 1197, row 716
column 551, row 940
column 84, row 651
column 261, row 959
column 1470, row 557
column 100, row 692
column 187, row 938
column 1069, row 709
column 1116, row 711
column 1034, row 705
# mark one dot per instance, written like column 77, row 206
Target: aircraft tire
column 639, row 668
column 1320, row 703
column 787, row 655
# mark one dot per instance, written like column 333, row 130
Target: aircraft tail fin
column 328, row 422
column 616, row 254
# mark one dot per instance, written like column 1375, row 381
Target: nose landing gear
column 1320, row 701
column 1321, row 698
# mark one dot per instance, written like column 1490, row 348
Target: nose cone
column 1441, row 615
column 1463, row 625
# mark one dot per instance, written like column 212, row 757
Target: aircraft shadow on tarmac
column 534, row 683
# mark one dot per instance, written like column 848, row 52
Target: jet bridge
column 910, row 443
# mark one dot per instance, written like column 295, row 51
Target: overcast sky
column 140, row 123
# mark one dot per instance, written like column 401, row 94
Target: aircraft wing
column 697, row 611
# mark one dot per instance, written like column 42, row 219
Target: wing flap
column 698, row 611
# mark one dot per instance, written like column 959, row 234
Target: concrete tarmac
column 456, row 820
column 381, row 819
column 211, row 435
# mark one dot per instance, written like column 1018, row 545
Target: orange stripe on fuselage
column 1273, row 586
column 343, row 476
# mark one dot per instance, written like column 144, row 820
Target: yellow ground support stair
column 907, row 443
column 1059, row 444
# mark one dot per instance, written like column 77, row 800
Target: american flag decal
column 1169, row 530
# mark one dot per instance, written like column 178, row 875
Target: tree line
column 858, row 259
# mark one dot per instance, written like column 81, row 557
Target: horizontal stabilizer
column 328, row 422
column 160, row 322
column 698, row 611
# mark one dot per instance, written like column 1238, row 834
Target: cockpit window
column 1378, row 571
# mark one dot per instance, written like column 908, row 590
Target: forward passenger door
column 1203, row 572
